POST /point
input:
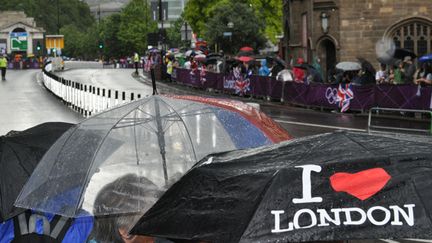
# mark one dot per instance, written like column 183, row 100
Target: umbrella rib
column 184, row 124
column 16, row 154
column 97, row 150
column 135, row 138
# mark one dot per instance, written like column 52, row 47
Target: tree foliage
column 135, row 23
column 246, row 30
column 174, row 33
column 199, row 12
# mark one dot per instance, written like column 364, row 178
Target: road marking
column 419, row 240
column 389, row 241
column 321, row 126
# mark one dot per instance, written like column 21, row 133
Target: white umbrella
column 285, row 75
column 348, row 66
column 189, row 53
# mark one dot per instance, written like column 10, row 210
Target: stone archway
column 326, row 50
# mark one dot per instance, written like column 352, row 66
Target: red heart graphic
column 361, row 185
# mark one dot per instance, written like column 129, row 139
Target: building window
column 415, row 36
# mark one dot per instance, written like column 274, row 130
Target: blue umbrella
column 426, row 58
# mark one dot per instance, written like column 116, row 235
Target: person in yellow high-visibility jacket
column 3, row 66
column 136, row 61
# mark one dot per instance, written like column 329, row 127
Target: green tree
column 271, row 12
column 73, row 41
column 174, row 33
column 247, row 28
column 197, row 13
column 108, row 29
column 135, row 23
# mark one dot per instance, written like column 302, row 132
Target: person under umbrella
column 160, row 138
column 409, row 70
column 264, row 70
column 299, row 73
column 115, row 228
column 20, row 152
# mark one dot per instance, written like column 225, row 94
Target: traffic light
column 101, row 45
column 38, row 46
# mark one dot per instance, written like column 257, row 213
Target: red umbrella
column 245, row 59
column 246, row 48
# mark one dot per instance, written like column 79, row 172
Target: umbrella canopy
column 246, row 49
column 245, row 59
column 366, row 65
column 200, row 58
column 189, row 53
column 401, row 53
column 157, row 139
column 245, row 53
column 213, row 59
column 426, row 58
column 310, row 189
column 348, row 66
column 285, row 75
column 154, row 50
column 20, row 152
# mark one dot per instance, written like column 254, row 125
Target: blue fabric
column 78, row 231
column 6, row 231
column 243, row 133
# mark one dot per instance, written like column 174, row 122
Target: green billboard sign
column 18, row 41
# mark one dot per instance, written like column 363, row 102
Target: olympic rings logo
column 331, row 95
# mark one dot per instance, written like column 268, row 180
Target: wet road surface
column 25, row 103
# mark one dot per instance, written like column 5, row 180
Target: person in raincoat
column 3, row 66
column 299, row 74
column 264, row 70
column 170, row 67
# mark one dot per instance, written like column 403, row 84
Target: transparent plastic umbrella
column 152, row 142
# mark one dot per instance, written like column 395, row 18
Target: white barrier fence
column 86, row 99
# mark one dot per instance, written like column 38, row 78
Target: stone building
column 342, row 30
column 19, row 34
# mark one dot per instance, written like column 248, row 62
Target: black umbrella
column 401, row 53
column 366, row 65
column 335, row 186
column 20, row 152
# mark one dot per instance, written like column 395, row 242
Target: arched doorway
column 414, row 34
column 327, row 55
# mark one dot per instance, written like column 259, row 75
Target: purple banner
column 316, row 94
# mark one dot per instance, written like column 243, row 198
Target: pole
column 161, row 19
column 58, row 17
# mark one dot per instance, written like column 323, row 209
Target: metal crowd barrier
column 373, row 128
column 86, row 99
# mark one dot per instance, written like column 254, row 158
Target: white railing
column 84, row 98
